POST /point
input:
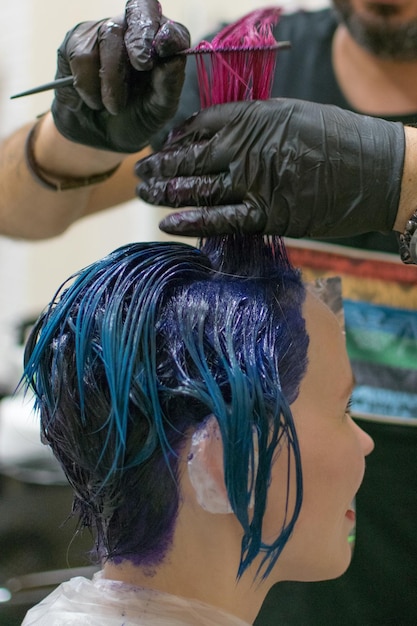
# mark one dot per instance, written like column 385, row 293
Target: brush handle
column 68, row 80
column 54, row 84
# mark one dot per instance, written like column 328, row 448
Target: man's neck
column 370, row 84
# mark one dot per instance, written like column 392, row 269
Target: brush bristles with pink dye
column 228, row 76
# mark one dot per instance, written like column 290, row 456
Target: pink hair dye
column 230, row 76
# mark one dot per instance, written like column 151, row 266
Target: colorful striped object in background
column 380, row 311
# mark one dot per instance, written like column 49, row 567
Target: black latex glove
column 285, row 167
column 127, row 84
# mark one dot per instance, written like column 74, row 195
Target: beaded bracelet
column 408, row 241
column 65, row 184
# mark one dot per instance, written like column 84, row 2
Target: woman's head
column 160, row 345
column 135, row 353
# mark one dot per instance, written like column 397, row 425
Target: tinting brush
column 202, row 49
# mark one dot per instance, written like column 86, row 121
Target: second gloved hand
column 127, row 80
column 285, row 167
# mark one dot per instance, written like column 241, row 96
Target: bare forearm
column 29, row 210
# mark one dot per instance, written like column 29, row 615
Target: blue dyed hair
column 135, row 352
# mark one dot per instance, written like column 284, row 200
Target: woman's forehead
column 328, row 361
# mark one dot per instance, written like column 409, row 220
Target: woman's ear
column 206, row 468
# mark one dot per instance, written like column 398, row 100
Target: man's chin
column 379, row 33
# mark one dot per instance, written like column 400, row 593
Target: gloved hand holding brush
column 127, row 79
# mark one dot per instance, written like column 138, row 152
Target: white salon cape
column 103, row 602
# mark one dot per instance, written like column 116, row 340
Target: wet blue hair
column 137, row 350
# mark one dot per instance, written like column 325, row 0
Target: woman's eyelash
column 349, row 405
